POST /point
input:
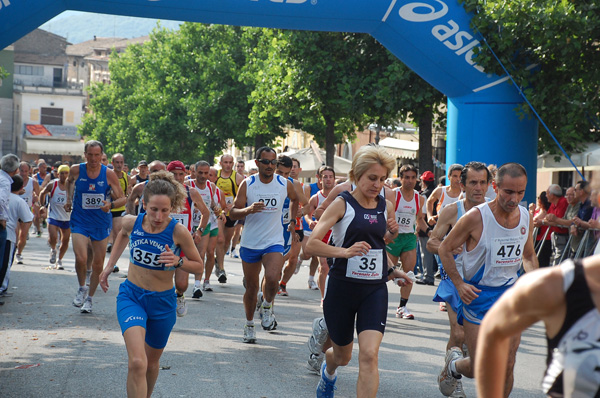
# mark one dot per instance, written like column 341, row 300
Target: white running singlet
column 58, row 197
column 264, row 229
column 406, row 212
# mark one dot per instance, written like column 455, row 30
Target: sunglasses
column 266, row 161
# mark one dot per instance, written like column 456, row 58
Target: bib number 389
column 368, row 267
column 92, row 200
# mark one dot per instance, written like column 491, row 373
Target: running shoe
column 267, row 321
column 446, row 380
column 197, row 292
column 312, row 285
column 443, row 307
column 52, row 256
column 59, row 265
column 39, row 234
column 318, row 337
column 326, row 387
column 80, row 297
column 116, row 269
column 298, row 265
column 249, row 334
column 282, row 291
column 315, row 362
column 182, row 308
column 458, row 391
column 109, row 247
column 19, row 258
column 222, row 276
column 259, row 301
column 44, row 225
column 234, row 253
column 87, row 306
column 206, row 286
column 404, row 313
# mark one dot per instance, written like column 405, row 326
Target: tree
column 178, row 96
column 560, row 38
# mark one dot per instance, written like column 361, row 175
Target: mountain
column 81, row 26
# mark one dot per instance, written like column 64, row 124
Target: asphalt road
column 83, row 355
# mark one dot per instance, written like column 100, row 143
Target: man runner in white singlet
column 444, row 195
column 496, row 238
column 260, row 199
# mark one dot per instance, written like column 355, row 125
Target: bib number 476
column 507, row 250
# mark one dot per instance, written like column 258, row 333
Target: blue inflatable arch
column 432, row 37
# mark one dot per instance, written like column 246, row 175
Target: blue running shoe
column 326, row 387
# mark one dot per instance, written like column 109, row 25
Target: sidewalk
column 83, row 355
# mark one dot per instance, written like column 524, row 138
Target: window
column 52, row 116
column 565, row 179
column 29, row 70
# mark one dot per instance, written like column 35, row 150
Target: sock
column 179, row 294
column 266, row 304
column 282, row 284
column 206, row 280
column 311, row 278
column 196, row 283
column 250, row 323
column 330, row 377
column 403, row 302
column 453, row 370
column 84, row 287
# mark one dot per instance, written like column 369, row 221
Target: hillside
column 81, row 26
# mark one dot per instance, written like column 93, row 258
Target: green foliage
column 178, row 96
column 559, row 37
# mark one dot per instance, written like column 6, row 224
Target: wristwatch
column 201, row 230
column 179, row 263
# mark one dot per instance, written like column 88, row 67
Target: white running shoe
column 298, row 265
column 59, row 265
column 259, row 301
column 182, row 308
column 80, row 296
column 206, row 286
column 404, row 313
column 458, row 391
column 249, row 334
column 267, row 321
column 87, row 306
column 52, row 256
column 234, row 253
column 318, row 337
column 446, row 380
column 315, row 362
column 19, row 258
column 312, row 285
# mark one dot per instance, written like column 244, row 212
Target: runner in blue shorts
column 495, row 238
column 90, row 188
column 146, row 303
column 260, row 199
column 474, row 181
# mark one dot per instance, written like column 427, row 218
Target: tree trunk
column 425, row 150
column 258, row 142
column 329, row 142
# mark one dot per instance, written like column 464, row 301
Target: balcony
column 20, row 88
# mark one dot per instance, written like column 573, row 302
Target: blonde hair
column 368, row 156
column 163, row 183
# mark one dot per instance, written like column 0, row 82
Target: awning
column 588, row 159
column 52, row 146
column 400, row 148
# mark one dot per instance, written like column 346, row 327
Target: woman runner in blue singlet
column 355, row 288
column 146, row 302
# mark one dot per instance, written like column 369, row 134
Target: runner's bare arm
column 192, row 262
column 435, row 195
column 293, row 196
column 302, row 200
column 118, row 197
column 421, row 224
column 315, row 245
column 511, row 315
column 119, row 246
column 530, row 260
column 330, row 198
column 447, row 218
column 70, row 186
column 136, row 193
column 468, row 227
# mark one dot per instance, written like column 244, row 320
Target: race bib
column 181, row 219
column 286, row 215
column 269, row 201
column 229, row 200
column 146, row 258
column 506, row 252
column 406, row 222
column 196, row 217
column 368, row 267
column 91, row 201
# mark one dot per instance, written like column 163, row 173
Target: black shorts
column 229, row 223
column 116, row 214
column 346, row 301
column 300, row 233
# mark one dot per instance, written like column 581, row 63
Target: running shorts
column 403, row 243
column 255, row 256
column 60, row 224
